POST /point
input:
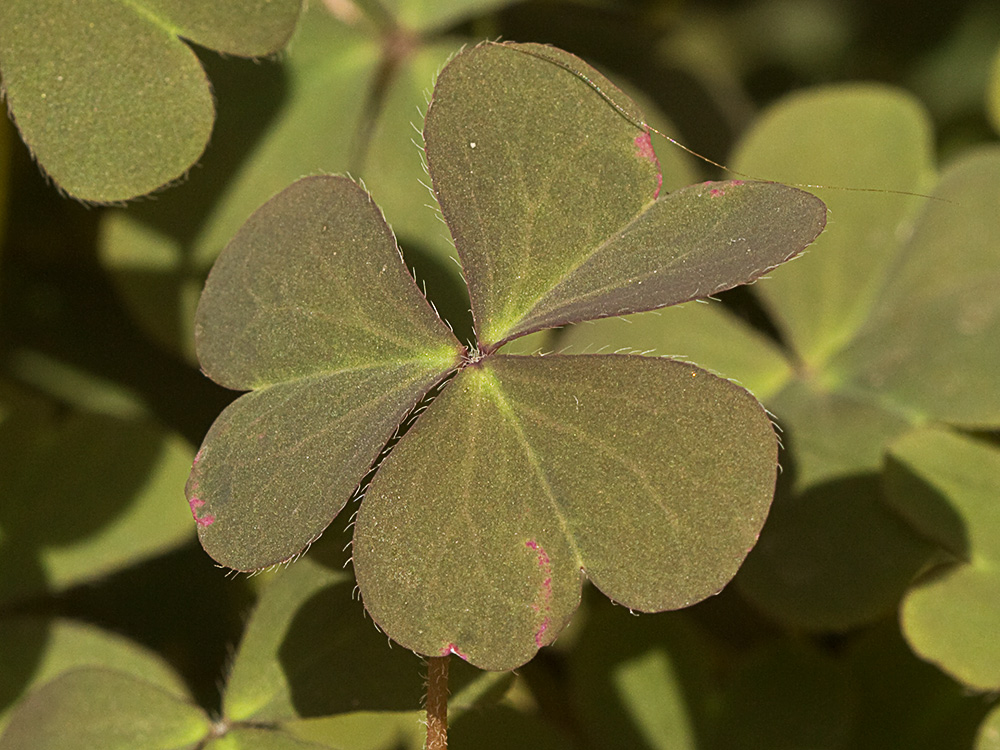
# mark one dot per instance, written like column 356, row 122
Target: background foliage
column 866, row 615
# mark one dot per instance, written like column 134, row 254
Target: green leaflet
column 539, row 240
column 108, row 98
column 98, row 709
column 928, row 480
column 651, row 477
column 528, row 471
column 303, row 327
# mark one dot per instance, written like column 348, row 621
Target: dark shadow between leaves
column 661, row 658
column 925, row 509
column 179, row 605
column 23, row 643
column 442, row 286
column 76, row 477
column 833, row 557
column 501, row 727
column 336, row 661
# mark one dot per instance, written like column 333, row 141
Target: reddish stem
column 437, row 702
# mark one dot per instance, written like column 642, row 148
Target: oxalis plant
column 496, row 483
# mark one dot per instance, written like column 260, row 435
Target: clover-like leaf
column 528, row 470
column 108, row 98
column 649, row 476
column 331, row 329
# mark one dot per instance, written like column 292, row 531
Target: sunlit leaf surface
column 108, row 98
column 525, row 193
column 97, row 709
column 537, row 469
column 952, row 616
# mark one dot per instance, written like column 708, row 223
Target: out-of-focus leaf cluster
column 885, row 497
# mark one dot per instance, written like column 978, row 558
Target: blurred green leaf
column 366, row 730
column 331, row 330
column 255, row 738
column 563, row 464
column 643, row 682
column 989, row 733
column 859, row 136
column 426, row 15
column 108, row 98
column 36, row 650
column 83, row 495
column 98, row 709
column 951, row 617
column 993, row 93
column 929, row 344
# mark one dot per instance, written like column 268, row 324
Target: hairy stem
column 437, row 702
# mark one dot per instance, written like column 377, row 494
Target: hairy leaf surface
column 652, row 477
column 339, row 344
column 526, row 192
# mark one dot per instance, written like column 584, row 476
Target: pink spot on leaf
column 716, row 192
column 644, row 150
column 194, row 503
column 543, row 599
column 451, row 648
